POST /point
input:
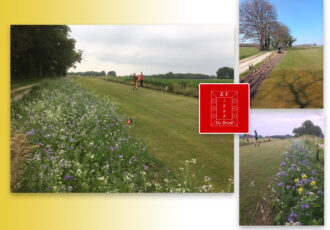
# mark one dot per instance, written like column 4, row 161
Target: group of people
column 256, row 143
column 136, row 79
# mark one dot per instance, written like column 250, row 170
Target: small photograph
column 114, row 109
column 281, row 52
column 282, row 168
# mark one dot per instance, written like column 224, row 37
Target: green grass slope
column 245, row 52
column 258, row 165
column 168, row 124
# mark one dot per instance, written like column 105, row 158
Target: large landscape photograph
column 115, row 108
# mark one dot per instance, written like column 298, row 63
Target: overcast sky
column 155, row 48
column 282, row 121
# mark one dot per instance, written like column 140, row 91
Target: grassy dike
column 168, row 124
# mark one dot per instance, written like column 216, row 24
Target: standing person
column 247, row 137
column 269, row 139
column 141, row 79
column 256, row 138
column 136, row 79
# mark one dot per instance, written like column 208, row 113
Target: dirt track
column 20, row 92
column 258, row 75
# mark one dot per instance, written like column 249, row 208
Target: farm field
column 258, row 165
column 295, row 82
column 245, row 52
column 268, row 194
column 187, row 87
column 168, row 123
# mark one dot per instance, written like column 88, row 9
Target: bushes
column 83, row 145
column 298, row 187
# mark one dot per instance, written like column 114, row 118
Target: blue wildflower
column 304, row 206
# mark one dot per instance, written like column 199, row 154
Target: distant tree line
column 282, row 136
column 258, row 22
column 94, row 73
column 308, row 128
column 39, row 51
column 243, row 136
column 222, row 73
column 88, row 73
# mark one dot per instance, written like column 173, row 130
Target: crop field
column 67, row 139
column 245, row 52
column 267, row 195
column 295, row 82
column 187, row 87
column 168, row 123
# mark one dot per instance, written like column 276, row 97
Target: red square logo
column 223, row 108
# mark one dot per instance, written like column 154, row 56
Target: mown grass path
column 295, row 82
column 168, row 124
column 245, row 52
column 258, row 165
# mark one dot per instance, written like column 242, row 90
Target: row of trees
column 38, row 51
column 222, row 73
column 94, row 73
column 308, row 128
column 258, row 22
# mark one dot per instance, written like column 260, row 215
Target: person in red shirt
column 136, row 79
column 141, row 79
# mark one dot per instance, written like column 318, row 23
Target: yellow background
column 93, row 211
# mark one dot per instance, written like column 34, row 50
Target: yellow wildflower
column 304, row 176
column 296, row 180
column 313, row 183
column 300, row 190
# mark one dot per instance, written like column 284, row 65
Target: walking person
column 141, row 79
column 136, row 79
column 256, row 138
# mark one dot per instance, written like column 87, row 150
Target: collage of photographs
column 115, row 109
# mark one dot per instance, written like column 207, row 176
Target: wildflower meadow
column 299, row 187
column 76, row 141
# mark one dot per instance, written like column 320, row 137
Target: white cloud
column 155, row 48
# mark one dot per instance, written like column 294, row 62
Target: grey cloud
column 184, row 48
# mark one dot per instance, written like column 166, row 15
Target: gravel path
column 254, row 60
